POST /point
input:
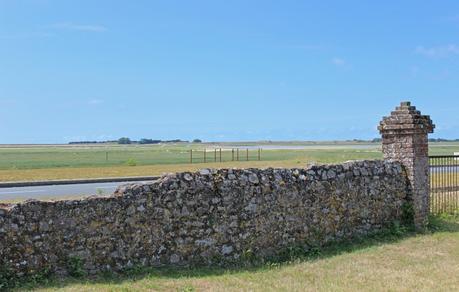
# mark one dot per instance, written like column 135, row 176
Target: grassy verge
column 140, row 170
column 399, row 260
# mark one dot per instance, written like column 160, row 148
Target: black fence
column 222, row 155
column 444, row 184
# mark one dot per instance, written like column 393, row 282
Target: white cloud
column 338, row 61
column 95, row 101
column 439, row 51
column 80, row 27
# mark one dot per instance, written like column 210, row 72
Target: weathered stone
column 253, row 178
column 175, row 258
column 203, row 217
column 188, row 177
column 227, row 249
column 204, row 171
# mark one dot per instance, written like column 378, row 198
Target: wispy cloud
column 80, row 27
column 95, row 101
column 338, row 61
column 439, row 51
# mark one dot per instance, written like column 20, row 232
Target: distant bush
column 197, row 141
column 443, row 140
column 131, row 162
column 124, row 140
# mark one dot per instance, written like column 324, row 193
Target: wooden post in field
column 247, row 154
column 259, row 154
column 106, row 156
column 220, row 154
column 232, row 154
column 237, row 154
column 191, row 156
column 215, row 155
column 204, row 155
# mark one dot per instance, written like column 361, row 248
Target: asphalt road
column 101, row 188
column 59, row 191
column 444, row 169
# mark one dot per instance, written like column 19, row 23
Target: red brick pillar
column 404, row 139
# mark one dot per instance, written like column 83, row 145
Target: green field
column 113, row 155
column 33, row 157
column 37, row 162
column 395, row 261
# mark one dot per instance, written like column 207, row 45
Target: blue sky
column 223, row 70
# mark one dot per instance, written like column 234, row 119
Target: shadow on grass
column 442, row 223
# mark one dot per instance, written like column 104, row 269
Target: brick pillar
column 404, row 139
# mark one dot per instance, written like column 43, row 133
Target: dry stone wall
column 209, row 217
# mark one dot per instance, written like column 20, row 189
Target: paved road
column 73, row 190
column 444, row 169
column 56, row 191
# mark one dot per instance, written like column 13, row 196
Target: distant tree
column 197, row 141
column 85, row 142
column 149, row 141
column 124, row 140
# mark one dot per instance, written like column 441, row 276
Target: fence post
column 220, row 154
column 259, row 154
column 204, row 155
column 405, row 139
column 247, row 154
column 191, row 156
column 215, row 155
column 237, row 154
column 232, row 154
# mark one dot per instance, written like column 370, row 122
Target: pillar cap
column 405, row 119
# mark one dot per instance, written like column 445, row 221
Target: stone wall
column 204, row 218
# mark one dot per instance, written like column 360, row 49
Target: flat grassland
column 29, row 162
column 395, row 262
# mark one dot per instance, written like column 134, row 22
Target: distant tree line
column 126, row 140
column 430, row 140
column 378, row 140
column 443, row 140
column 93, row 142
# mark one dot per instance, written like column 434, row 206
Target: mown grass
column 152, row 170
column 65, row 162
column 87, row 156
column 396, row 260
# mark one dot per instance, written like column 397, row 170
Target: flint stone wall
column 205, row 218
